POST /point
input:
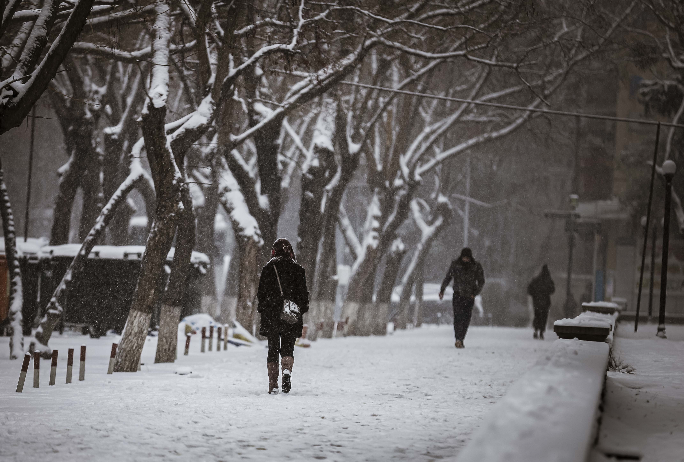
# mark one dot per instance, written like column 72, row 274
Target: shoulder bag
column 290, row 312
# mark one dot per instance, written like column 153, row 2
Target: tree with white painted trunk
column 11, row 256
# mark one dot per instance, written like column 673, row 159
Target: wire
column 517, row 108
column 503, row 106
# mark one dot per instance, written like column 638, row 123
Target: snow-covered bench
column 550, row 414
column 588, row 325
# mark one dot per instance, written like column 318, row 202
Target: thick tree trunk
column 67, row 190
column 178, row 282
column 248, row 252
column 168, row 182
column 15, row 298
column 394, row 259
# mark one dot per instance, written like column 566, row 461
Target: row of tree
column 241, row 100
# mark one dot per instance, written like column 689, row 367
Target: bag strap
column 279, row 285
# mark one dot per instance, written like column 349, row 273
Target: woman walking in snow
column 541, row 288
column 283, row 299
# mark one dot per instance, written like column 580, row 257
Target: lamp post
column 651, row 271
column 669, row 169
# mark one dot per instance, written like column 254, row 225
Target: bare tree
column 15, row 295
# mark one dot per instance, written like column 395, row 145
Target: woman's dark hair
column 282, row 248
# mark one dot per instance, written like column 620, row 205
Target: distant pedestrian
column 541, row 288
column 468, row 280
column 282, row 279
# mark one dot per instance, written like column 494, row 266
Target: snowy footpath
column 410, row 396
column 643, row 410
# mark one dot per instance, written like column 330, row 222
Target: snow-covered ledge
column 550, row 414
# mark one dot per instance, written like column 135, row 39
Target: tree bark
column 177, row 285
column 394, row 259
column 15, row 298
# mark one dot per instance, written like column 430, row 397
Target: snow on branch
column 18, row 97
column 349, row 233
column 160, row 76
column 233, row 201
column 137, row 56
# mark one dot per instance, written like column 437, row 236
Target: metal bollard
column 22, row 374
column 225, row 346
column 111, row 364
column 220, row 333
column 186, row 345
column 203, row 339
column 82, row 363
column 70, row 362
column 37, row 368
column 53, row 367
column 210, row 339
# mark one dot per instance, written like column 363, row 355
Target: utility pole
column 466, row 229
column 570, row 219
column 669, row 169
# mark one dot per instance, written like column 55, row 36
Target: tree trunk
column 15, row 298
column 178, row 282
column 383, row 296
column 248, row 251
column 168, row 182
column 67, row 190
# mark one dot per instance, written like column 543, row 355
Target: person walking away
column 468, row 280
column 540, row 289
column 281, row 279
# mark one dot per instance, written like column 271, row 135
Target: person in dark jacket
column 541, row 288
column 281, row 335
column 468, row 280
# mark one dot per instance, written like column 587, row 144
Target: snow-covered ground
column 643, row 411
column 409, row 396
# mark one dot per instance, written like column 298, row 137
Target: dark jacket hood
column 466, row 252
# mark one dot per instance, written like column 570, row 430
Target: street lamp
column 669, row 169
column 652, row 267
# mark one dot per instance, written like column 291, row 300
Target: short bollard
column 82, row 363
column 210, row 339
column 70, row 362
column 186, row 345
column 225, row 344
column 111, row 364
column 22, row 374
column 220, row 333
column 37, row 368
column 203, row 339
column 53, row 367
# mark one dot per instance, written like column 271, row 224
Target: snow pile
column 197, row 322
column 550, row 413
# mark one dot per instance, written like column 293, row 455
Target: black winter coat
column 294, row 285
column 541, row 288
column 468, row 278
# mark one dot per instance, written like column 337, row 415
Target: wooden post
column 82, row 363
column 203, row 339
column 210, row 339
column 220, row 334
column 186, row 345
column 225, row 346
column 53, row 367
column 22, row 374
column 37, row 368
column 70, row 362
column 111, row 364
